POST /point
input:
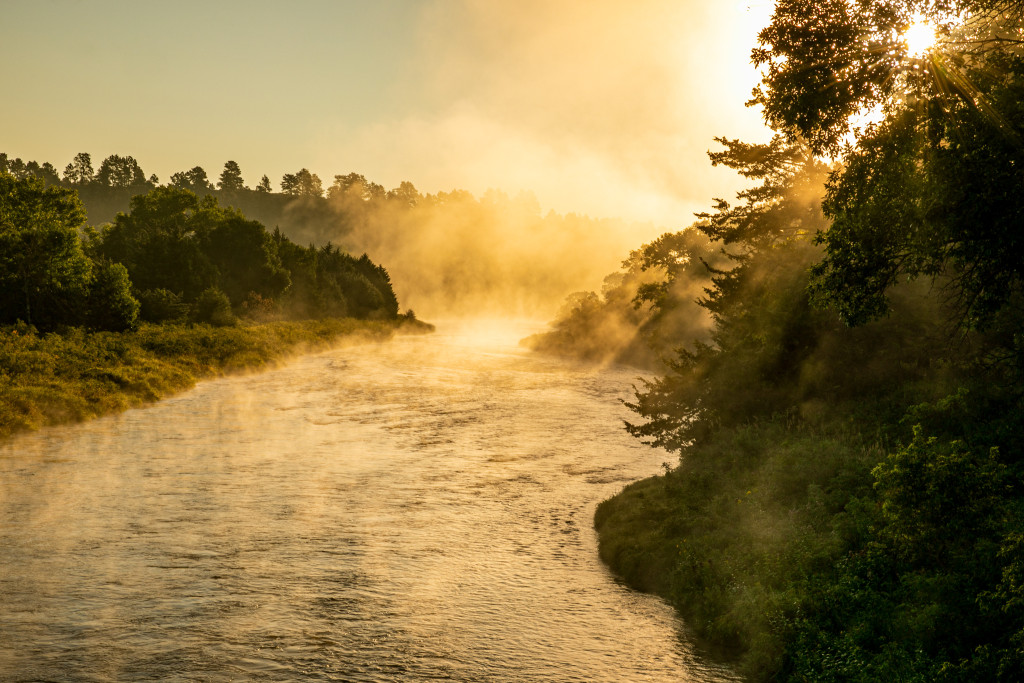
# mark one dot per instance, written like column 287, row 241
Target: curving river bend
column 416, row 510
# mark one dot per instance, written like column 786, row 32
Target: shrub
column 111, row 305
column 213, row 307
column 161, row 305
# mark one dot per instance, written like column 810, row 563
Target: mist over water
column 416, row 510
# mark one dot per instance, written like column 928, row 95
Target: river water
column 415, row 510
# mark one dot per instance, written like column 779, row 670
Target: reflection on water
column 417, row 510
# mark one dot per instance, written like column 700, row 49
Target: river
column 416, row 510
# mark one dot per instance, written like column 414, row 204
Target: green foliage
column 884, row 459
column 161, row 305
column 787, row 203
column 327, row 281
column 44, row 273
column 111, row 305
column 926, row 191
column 245, row 258
column 826, row 61
column 732, row 534
column 927, row 195
column 214, row 308
column 175, row 241
column 160, row 241
column 930, row 596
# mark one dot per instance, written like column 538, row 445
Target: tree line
column 124, row 172
column 107, row 191
column 172, row 256
column 450, row 250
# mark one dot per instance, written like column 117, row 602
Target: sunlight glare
column 920, row 37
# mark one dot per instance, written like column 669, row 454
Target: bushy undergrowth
column 732, row 533
column 57, row 378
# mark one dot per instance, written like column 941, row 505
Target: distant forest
column 169, row 254
column 106, row 190
column 449, row 252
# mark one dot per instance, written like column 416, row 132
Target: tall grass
column 77, row 375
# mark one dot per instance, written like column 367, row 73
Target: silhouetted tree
column 79, row 171
column 356, row 185
column 194, row 179
column 16, row 167
column 231, row 178
column 406, row 193
column 45, row 172
column 302, row 184
column 121, row 172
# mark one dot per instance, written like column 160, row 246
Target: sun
column 920, row 38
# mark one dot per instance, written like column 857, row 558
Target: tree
column 16, row 167
column 213, row 308
column 356, row 185
column 925, row 192
column 929, row 198
column 160, row 241
column 194, row 179
column 245, row 258
column 44, row 273
column 111, row 305
column 49, row 173
column 302, row 184
column 161, row 305
column 79, row 172
column 785, row 203
column 176, row 241
column 406, row 193
column 231, row 178
column 264, row 185
column 826, row 60
column 121, row 172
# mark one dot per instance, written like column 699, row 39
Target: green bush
column 161, row 305
column 111, row 304
column 213, row 308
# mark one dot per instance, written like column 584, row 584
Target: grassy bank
column 732, row 536
column 59, row 378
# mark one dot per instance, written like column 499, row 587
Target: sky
column 598, row 107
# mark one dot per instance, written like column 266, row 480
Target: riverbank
column 734, row 537
column 55, row 379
